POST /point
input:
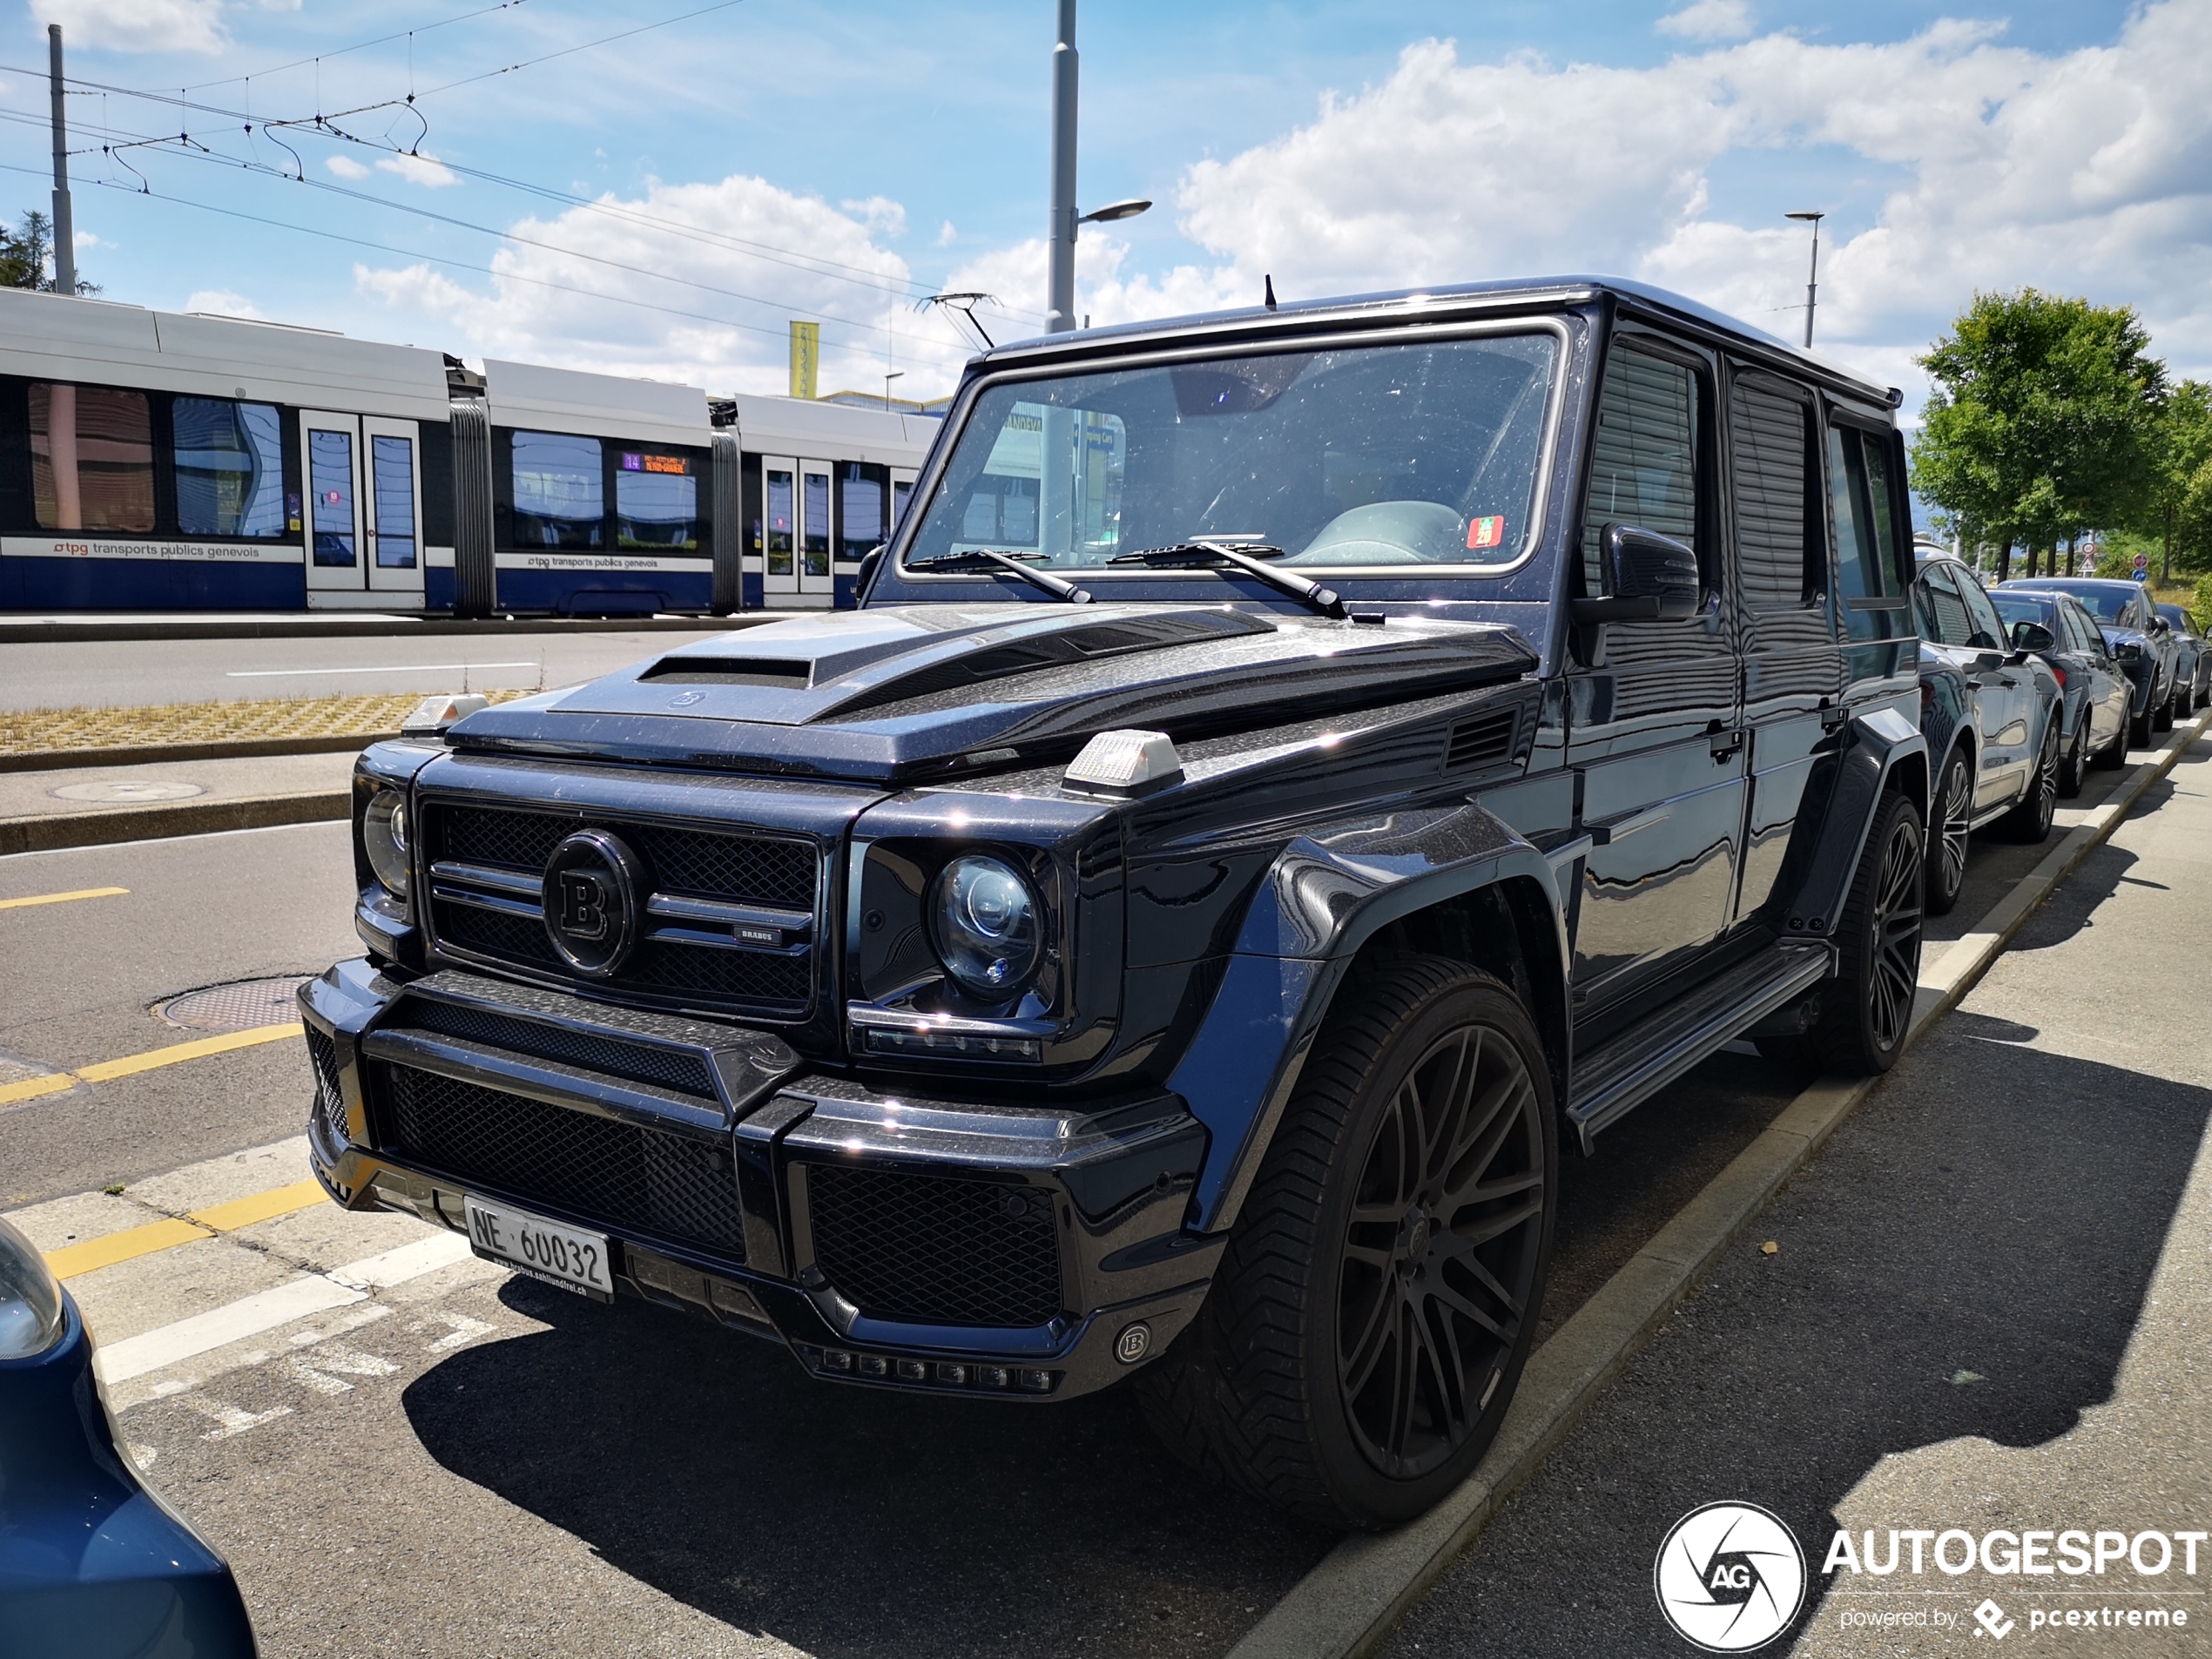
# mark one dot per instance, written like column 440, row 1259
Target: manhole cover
column 131, row 789
column 242, row 1007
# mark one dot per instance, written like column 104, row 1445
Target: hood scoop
column 779, row 674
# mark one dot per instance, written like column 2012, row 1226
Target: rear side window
column 1643, row 464
column 92, row 458
column 1858, row 490
column 1768, row 433
column 560, row 495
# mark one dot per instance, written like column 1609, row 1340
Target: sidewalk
column 109, row 804
column 1987, row 1311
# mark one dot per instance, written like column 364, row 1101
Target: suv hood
column 911, row 692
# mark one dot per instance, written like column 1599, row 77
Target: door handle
column 1831, row 720
column 1726, row 745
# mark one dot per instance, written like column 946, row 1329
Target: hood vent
column 1483, row 740
column 729, row 670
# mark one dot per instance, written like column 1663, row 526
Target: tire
column 2161, row 711
column 1951, row 828
column 1380, row 1290
column 2030, row 821
column 2138, row 727
column 2074, row 774
column 1866, row 1010
column 2113, row 754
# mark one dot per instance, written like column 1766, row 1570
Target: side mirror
column 1654, row 578
column 869, row 561
column 2159, row 625
column 2033, row 635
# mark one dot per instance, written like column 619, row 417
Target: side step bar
column 1612, row 1081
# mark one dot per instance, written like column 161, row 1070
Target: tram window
column 860, row 505
column 656, row 500
column 92, row 458
column 230, row 468
column 560, row 496
column 779, row 512
column 392, row 489
column 901, row 493
column 330, row 481
column 818, row 524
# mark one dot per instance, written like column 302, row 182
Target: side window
column 656, row 500
column 230, row 468
column 92, row 458
column 1865, row 534
column 1988, row 627
column 1768, row 445
column 1945, row 609
column 861, row 519
column 560, row 493
column 1643, row 462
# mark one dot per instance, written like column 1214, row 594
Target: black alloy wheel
column 1380, row 1290
column 2170, row 710
column 1953, row 829
column 2074, row 773
column 2030, row 821
column 1867, row 1008
column 2139, row 722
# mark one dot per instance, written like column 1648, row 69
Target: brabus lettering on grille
column 584, row 904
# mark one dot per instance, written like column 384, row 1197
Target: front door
column 1655, row 712
column 364, row 517
column 816, row 529
column 779, row 527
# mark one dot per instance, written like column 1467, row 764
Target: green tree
column 27, row 253
column 2177, row 509
column 2043, row 420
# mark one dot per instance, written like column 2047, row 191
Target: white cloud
column 426, row 171
column 1991, row 166
column 947, row 235
column 344, row 166
column 1710, row 20
column 880, row 215
column 725, row 344
column 223, row 303
column 137, row 25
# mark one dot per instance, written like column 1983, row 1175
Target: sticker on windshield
column 1487, row 532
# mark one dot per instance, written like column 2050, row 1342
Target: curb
column 1349, row 1604
column 50, row 631
column 51, row 832
column 147, row 755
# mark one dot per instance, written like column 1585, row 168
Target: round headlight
column 988, row 926
column 384, row 839
column 31, row 1300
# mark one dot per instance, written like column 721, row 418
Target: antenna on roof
column 1270, row 280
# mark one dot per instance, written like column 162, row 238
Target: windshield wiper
column 982, row 559
column 1199, row 554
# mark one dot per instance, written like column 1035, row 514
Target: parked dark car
column 1290, row 769
column 2094, row 688
column 93, row 1565
column 2192, row 662
column 2003, row 765
column 2140, row 639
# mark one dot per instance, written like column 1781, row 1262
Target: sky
column 505, row 180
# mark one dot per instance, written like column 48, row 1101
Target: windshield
column 2013, row 608
column 2105, row 602
column 1381, row 455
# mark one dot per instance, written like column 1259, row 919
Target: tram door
column 902, row 490
column 778, row 527
column 364, row 517
column 815, row 528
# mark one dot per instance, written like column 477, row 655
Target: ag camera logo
column 1730, row 1577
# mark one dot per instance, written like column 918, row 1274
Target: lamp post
column 895, row 374
column 1060, row 297
column 1812, row 277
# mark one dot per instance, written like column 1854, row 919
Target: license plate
column 565, row 1255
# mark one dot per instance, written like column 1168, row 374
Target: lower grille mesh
column 640, row 1063
column 322, row 1056
column 935, row 1249
column 620, row 1175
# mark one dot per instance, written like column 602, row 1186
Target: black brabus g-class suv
column 1292, row 776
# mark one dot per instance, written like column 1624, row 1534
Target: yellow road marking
column 64, row 898
column 176, row 1052
column 72, row 1260
column 31, row 1088
column 262, row 1206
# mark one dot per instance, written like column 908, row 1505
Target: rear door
column 2006, row 696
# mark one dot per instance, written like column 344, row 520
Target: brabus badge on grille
column 592, row 884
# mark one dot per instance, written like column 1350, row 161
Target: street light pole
column 1812, row 277
column 895, row 373
column 1060, row 301
column 64, row 232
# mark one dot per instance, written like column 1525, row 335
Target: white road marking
column 397, row 668
column 233, row 1419
column 465, row 1331
column 348, row 1362
column 309, row 1294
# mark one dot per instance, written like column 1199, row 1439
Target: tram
column 156, row 461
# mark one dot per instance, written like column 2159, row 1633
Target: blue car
column 92, row 1564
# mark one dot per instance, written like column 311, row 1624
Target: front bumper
column 901, row 1242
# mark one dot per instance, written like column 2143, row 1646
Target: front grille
column 621, row 1175
column 935, row 1249
column 733, row 866
column 330, row 1106
column 639, row 1063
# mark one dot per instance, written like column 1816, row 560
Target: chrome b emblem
column 592, row 894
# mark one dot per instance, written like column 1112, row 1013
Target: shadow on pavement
column 1995, row 1210
column 841, row 1520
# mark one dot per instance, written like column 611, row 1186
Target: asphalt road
column 138, row 673
column 521, row 1471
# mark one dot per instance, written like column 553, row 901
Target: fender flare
column 1327, row 894
column 1880, row 740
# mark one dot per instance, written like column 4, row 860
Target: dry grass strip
column 40, row 730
